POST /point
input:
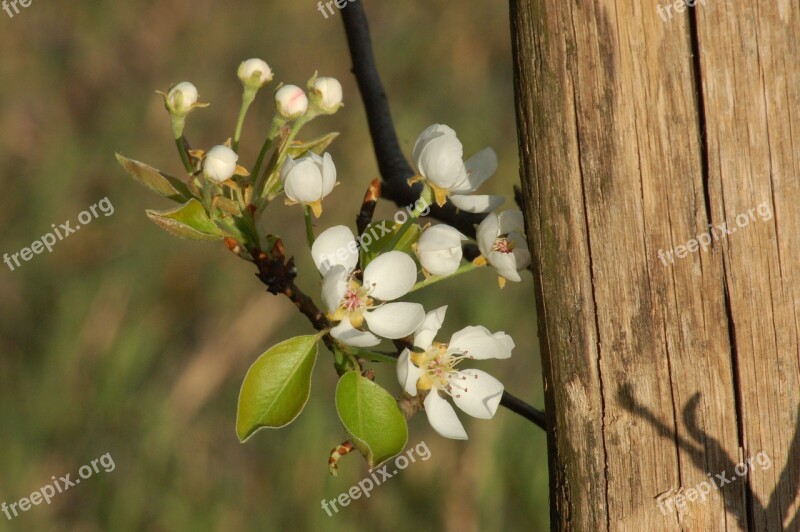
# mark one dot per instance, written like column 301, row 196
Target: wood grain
column 662, row 369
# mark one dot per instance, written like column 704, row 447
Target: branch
column 518, row 406
column 392, row 164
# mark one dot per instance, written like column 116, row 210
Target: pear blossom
column 308, row 180
column 439, row 249
column 353, row 303
column 219, row 164
column 181, row 98
column 502, row 242
column 433, row 367
column 254, row 73
column 438, row 156
column 327, row 92
column 291, row 101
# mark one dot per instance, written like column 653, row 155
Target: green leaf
column 371, row 417
column 378, row 235
column 187, row 221
column 277, row 386
column 297, row 149
column 156, row 180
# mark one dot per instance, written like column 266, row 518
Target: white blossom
column 355, row 304
column 438, row 156
column 433, row 367
column 502, row 242
column 219, row 164
column 308, row 180
column 439, row 249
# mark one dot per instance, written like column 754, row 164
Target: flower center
column 439, row 370
column 353, row 300
column 503, row 245
column 354, row 303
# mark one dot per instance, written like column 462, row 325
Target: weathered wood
column 661, row 369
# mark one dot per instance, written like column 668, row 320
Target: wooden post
column 671, row 349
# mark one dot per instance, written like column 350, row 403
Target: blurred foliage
column 126, row 341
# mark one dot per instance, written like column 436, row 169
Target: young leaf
column 187, row 221
column 277, row 386
column 378, row 235
column 318, row 145
column 157, row 181
column 371, row 417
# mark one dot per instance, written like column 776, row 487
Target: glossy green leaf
column 277, row 386
column 371, row 417
column 156, row 180
column 187, row 221
column 378, row 236
column 318, row 145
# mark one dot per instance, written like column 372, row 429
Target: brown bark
column 636, row 133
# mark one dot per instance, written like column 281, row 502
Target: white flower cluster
column 364, row 305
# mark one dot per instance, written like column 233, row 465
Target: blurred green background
column 129, row 342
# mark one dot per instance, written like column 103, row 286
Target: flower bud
column 503, row 244
column 181, row 98
column 219, row 164
column 254, row 73
column 439, row 249
column 308, row 180
column 327, row 94
column 291, row 101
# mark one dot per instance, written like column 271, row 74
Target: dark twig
column 393, row 166
column 367, row 211
column 518, row 406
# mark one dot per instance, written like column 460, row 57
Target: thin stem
column 420, row 206
column 184, row 155
column 309, row 227
column 464, row 268
column 277, row 122
column 247, row 99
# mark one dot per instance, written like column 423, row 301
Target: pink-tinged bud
column 291, row 101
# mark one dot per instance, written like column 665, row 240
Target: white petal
column 328, row 174
column 390, row 275
column 430, row 133
column 511, row 222
column 346, row 333
column 505, row 264
column 441, row 161
column 476, row 203
column 442, row 262
column 287, row 167
column 479, row 394
column 481, row 167
column 430, row 326
column 479, row 343
column 303, row 183
column 439, row 237
column 488, row 231
column 334, row 286
column 335, row 246
column 395, row 320
column 522, row 257
column 443, row 418
column 407, row 373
